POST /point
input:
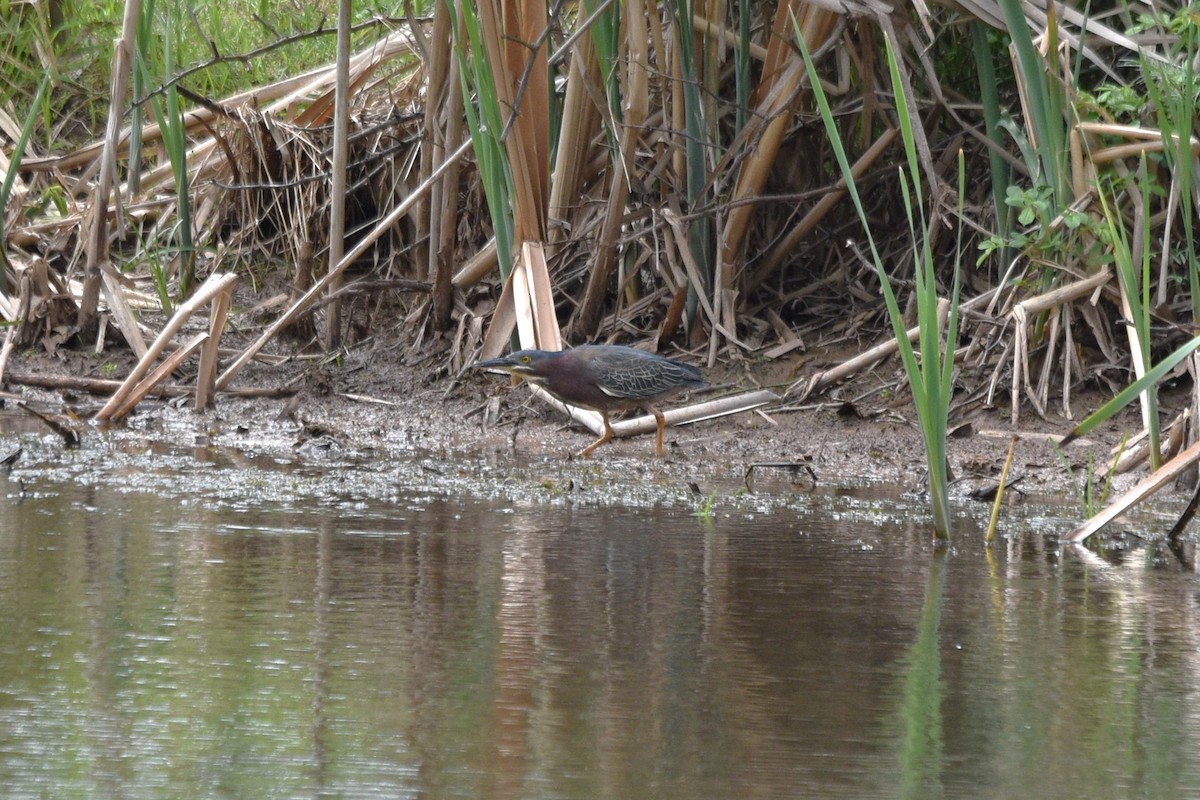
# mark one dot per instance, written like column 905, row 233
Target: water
column 287, row 630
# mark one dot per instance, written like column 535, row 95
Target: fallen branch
column 107, row 386
column 697, row 412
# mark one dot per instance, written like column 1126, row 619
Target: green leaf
column 1130, row 392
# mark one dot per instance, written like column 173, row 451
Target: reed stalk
column 1132, row 262
column 485, row 124
column 931, row 377
column 338, row 181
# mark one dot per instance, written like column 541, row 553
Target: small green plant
column 1067, row 238
column 1091, row 497
column 705, row 509
column 53, row 195
column 1123, row 103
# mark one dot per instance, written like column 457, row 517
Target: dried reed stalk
column 1144, row 489
column 337, row 182
column 443, row 128
column 206, row 378
column 117, row 405
column 97, row 225
column 783, row 71
column 313, row 294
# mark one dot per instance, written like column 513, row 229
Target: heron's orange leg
column 608, row 435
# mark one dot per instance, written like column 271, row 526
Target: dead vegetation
column 687, row 199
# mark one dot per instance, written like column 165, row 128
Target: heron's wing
column 643, row 376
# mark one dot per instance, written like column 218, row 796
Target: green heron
column 604, row 378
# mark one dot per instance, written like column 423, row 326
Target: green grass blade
column 930, row 378
column 1135, row 289
column 742, row 83
column 14, row 165
column 1130, row 392
column 175, row 142
column 989, row 95
column 1045, row 101
column 160, row 115
column 484, row 122
column 700, row 229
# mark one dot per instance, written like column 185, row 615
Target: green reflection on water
column 185, row 647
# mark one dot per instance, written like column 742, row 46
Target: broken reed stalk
column 1146, row 487
column 697, row 412
column 97, row 249
column 527, row 304
column 206, row 378
column 315, row 291
column 156, row 376
column 6, row 351
column 991, row 528
column 477, row 267
column 212, row 287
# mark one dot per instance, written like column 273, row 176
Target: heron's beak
column 503, row 364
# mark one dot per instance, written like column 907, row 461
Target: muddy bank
column 372, row 408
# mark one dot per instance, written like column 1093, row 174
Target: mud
column 467, row 432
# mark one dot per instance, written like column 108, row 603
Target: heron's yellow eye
column 524, row 359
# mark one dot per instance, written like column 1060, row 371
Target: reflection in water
column 444, row 648
column 921, row 743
